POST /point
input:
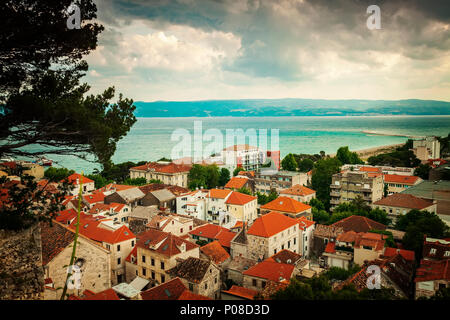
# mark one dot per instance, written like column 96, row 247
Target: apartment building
column 242, row 206
column 193, row 204
column 215, row 204
column 268, row 180
column 157, row 252
column 404, row 171
column 289, row 207
column 398, row 183
column 166, row 172
column 299, row 193
column 346, row 186
column 427, row 148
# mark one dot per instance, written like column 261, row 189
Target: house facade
column 166, row 172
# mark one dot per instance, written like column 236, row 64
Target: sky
column 255, row 49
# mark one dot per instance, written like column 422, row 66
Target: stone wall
column 21, row 272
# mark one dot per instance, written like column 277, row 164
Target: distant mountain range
column 290, row 107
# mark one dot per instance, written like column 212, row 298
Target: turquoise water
column 150, row 138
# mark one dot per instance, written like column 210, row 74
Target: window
column 152, row 262
column 132, row 243
column 191, row 287
column 144, row 272
column 153, row 275
column 163, row 278
column 447, row 254
column 433, row 251
column 118, row 261
column 263, row 284
column 215, row 280
column 162, row 265
column 295, row 241
column 206, row 286
column 181, row 230
column 143, row 259
column 118, row 247
column 108, row 247
column 254, row 282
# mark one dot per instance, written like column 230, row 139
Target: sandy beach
column 364, row 154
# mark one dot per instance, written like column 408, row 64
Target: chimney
column 183, row 247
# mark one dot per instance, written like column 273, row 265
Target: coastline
column 364, row 154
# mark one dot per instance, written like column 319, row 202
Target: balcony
column 335, row 194
column 334, row 201
column 334, row 186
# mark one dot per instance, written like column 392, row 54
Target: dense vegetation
column 209, row 176
column 321, row 178
column 401, row 157
column 345, row 156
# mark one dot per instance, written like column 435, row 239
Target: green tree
column 141, row 181
column 224, row 176
column 305, row 165
column 57, row 174
column 289, row 163
column 237, row 170
column 99, row 180
column 422, row 171
column 321, row 178
column 42, row 101
column 118, row 172
column 197, row 177
column 345, row 156
column 245, row 190
column 212, row 176
column 336, row 273
column 320, row 216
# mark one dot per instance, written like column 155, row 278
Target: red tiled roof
column 94, row 198
column 407, row 254
column 286, row 204
column 369, row 239
column 224, row 237
column 240, row 199
column 271, row 271
column 163, row 168
column 304, row 223
column 396, row 178
column 330, row 248
column 170, row 290
column 404, row 200
column 433, row 270
column 241, row 292
column 271, row 224
column 285, row 256
column 349, row 236
column 215, row 251
column 298, row 190
column 207, row 230
column 169, row 244
column 440, row 247
column 236, row 183
column 89, row 227
column 73, row 178
column 132, row 253
column 188, row 295
column 67, row 216
column 359, row 224
column 218, row 193
column 54, row 239
column 108, row 294
column 370, row 169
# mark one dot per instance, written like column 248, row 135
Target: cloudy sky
column 224, row 49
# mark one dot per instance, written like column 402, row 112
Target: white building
column 428, row 148
column 193, row 204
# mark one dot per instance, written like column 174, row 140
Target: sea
column 151, row 138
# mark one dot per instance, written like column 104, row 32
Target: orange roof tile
column 108, row 294
column 215, row 251
column 404, row 200
column 76, row 176
column 241, row 292
column 305, row 223
column 298, row 190
column 94, row 198
column 271, row 271
column 207, row 230
column 218, row 193
column 370, row 169
column 286, row 204
column 271, row 224
column 236, row 183
column 168, row 244
column 89, row 227
column 163, row 167
column 396, row 178
column 407, row 254
column 240, row 199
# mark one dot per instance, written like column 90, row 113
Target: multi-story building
column 242, row 206
column 398, row 183
column 75, row 179
column 193, row 204
column 347, row 186
column 401, row 203
column 427, row 148
column 258, row 276
column 166, row 172
column 115, row 237
column 267, row 180
column 404, row 171
column 158, row 251
column 174, row 224
column 215, row 204
column 272, row 233
column 241, row 155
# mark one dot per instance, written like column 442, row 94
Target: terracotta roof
column 54, row 240
column 271, row 288
column 286, row 204
column 298, row 190
column 241, row 292
column 433, row 270
column 218, row 193
column 133, row 254
column 370, row 169
column 240, row 199
column 271, row 224
column 176, row 190
column 163, row 167
column 359, row 224
column 215, row 251
column 285, row 256
column 76, row 176
column 439, row 245
column 224, row 237
column 404, row 200
column 94, row 198
column 349, row 236
column 241, row 237
column 305, row 223
column 407, row 254
column 188, row 295
column 271, row 271
column 208, row 230
column 170, row 290
column 66, row 216
column 108, row 294
column 91, row 229
column 396, row 178
column 99, row 207
column 169, row 244
column 369, row 239
column 331, row 247
column 236, row 183
column 191, row 269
